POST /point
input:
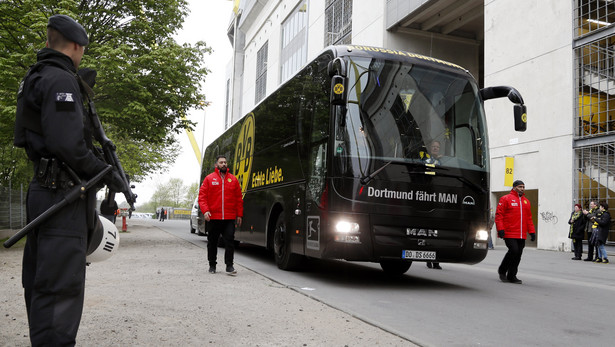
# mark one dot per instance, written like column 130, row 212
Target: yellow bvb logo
column 338, row 88
column 244, row 151
column 524, row 117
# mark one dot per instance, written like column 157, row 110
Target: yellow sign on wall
column 508, row 172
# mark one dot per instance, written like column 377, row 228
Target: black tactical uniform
column 50, row 126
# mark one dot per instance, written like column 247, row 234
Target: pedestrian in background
column 577, row 231
column 163, row 214
column 50, row 126
column 589, row 215
column 602, row 222
column 433, row 265
column 221, row 202
column 513, row 219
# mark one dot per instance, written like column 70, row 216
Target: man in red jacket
column 221, row 202
column 513, row 220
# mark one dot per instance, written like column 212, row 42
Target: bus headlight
column 482, row 235
column 347, row 227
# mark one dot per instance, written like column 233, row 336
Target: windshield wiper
column 365, row 179
column 462, row 179
column 467, row 182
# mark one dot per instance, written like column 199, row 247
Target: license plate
column 418, row 255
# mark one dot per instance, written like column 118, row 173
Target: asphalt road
column 561, row 301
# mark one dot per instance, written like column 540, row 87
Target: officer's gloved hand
column 114, row 181
column 533, row 237
column 501, row 234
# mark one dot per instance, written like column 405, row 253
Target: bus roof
column 392, row 54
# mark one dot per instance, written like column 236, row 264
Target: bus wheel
column 395, row 267
column 281, row 246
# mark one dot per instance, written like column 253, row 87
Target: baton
column 71, row 196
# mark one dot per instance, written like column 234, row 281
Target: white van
column 195, row 218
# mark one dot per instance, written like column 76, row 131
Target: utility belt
column 53, row 174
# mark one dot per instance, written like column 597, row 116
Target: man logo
column 468, row 200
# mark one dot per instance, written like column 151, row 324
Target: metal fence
column 12, row 207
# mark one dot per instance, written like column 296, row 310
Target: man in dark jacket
column 577, row 231
column 513, row 220
column 221, row 202
column 50, row 126
column 589, row 214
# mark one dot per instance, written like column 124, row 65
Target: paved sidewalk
column 156, row 292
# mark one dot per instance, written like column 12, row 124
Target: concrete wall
column 368, row 23
column 528, row 45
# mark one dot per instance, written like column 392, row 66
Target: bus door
column 315, row 123
column 316, row 191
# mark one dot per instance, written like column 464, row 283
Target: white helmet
column 104, row 241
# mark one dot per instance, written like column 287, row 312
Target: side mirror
column 338, row 90
column 520, row 117
column 336, row 67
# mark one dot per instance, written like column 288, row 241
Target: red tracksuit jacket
column 514, row 216
column 222, row 198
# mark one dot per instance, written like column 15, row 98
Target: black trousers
column 226, row 229
column 53, row 273
column 510, row 263
column 590, row 247
column 578, row 247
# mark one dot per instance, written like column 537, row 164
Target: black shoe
column 576, row 258
column 212, row 269
column 587, row 259
column 503, row 278
column 515, row 280
column 437, row 266
column 230, row 270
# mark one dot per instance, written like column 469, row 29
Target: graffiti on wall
column 548, row 217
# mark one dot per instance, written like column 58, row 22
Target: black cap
column 517, row 182
column 69, row 28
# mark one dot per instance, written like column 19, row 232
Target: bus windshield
column 407, row 113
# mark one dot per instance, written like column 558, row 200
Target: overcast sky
column 207, row 21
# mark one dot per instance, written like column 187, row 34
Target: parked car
column 196, row 219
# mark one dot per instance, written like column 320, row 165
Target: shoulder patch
column 65, row 97
column 65, row 102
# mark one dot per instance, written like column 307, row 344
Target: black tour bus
column 334, row 164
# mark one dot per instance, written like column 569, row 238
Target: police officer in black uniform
column 50, row 126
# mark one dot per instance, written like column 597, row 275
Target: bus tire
column 281, row 246
column 395, row 267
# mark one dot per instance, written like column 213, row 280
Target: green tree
column 173, row 193
column 177, row 192
column 146, row 81
column 191, row 193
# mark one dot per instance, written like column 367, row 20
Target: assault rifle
column 87, row 79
